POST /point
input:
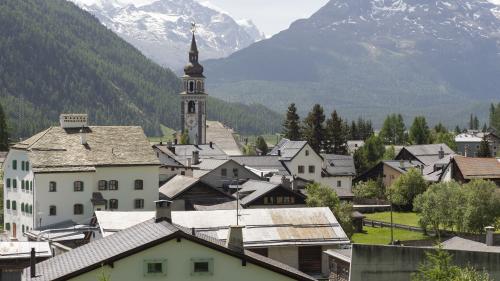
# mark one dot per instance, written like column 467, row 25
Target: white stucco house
column 67, row 172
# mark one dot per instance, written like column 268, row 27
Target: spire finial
column 193, row 27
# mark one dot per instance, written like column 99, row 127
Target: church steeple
column 193, row 68
column 193, row 97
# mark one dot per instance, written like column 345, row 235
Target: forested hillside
column 55, row 57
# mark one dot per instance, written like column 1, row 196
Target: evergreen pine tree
column 291, row 126
column 484, row 149
column 471, row 122
column 419, row 131
column 184, row 137
column 4, row 136
column 354, row 135
column 476, row 123
column 314, row 128
column 337, row 135
column 457, row 130
column 485, row 128
column 261, row 145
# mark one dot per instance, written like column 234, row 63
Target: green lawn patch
column 406, row 218
column 382, row 236
column 167, row 135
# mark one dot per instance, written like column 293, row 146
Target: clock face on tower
column 190, row 121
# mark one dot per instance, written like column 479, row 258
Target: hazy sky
column 270, row 16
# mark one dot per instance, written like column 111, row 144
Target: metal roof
column 22, row 250
column 339, row 165
column 341, row 254
column 458, row 243
column 133, row 240
column 465, row 137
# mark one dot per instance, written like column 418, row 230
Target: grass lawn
column 167, row 135
column 406, row 218
column 382, row 236
column 269, row 138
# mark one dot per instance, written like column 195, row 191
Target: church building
column 194, row 98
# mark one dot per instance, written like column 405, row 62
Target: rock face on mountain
column 159, row 28
column 371, row 57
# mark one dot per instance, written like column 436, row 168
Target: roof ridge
column 44, row 133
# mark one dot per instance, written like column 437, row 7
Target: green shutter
column 8, row 183
column 14, row 206
column 22, row 165
column 14, row 183
column 27, row 166
column 8, row 204
column 14, row 164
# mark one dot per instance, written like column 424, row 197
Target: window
column 22, row 226
column 7, row 204
column 286, row 200
column 191, row 86
column 78, row 209
column 202, row 266
column 223, row 172
column 191, row 107
column 14, row 205
column 268, row 200
column 22, row 207
column 14, row 164
column 29, row 209
column 301, row 169
column 113, row 204
column 8, row 183
column 183, row 173
column 27, row 166
column 307, row 152
column 113, row 185
column 139, row 203
column 22, row 165
column 102, row 185
column 155, row 267
column 7, row 226
column 235, row 172
column 52, row 186
column 22, row 184
column 279, row 200
column 78, row 186
column 31, row 185
column 138, row 184
column 339, row 183
column 52, row 210
column 312, row 169
column 14, row 183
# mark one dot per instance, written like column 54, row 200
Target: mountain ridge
column 356, row 55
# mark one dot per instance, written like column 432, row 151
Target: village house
column 464, row 169
column 468, row 143
column 388, row 171
column 15, row 256
column 186, row 193
column 294, row 236
column 264, row 194
column 222, row 173
column 54, row 175
column 158, row 249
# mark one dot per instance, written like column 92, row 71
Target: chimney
column 489, row 235
column 286, row 182
column 279, row 152
column 188, row 162
column 211, row 145
column 196, row 157
column 83, row 136
column 33, row 263
column 441, row 153
column 235, row 238
column 163, row 211
column 73, row 120
column 175, row 141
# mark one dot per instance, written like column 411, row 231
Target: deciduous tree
column 419, row 131
column 406, row 187
column 393, row 130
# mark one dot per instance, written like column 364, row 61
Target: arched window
column 78, row 186
column 198, row 86
column 102, row 185
column 78, row 209
column 52, row 210
column 191, row 86
column 113, row 204
column 138, row 184
column 52, row 186
column 191, row 107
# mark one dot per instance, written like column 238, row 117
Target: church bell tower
column 194, row 98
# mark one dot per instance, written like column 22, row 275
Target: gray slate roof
column 255, row 189
column 428, row 153
column 265, row 163
column 458, row 243
column 150, row 233
column 176, row 186
column 288, row 148
column 58, row 149
column 185, row 151
column 339, row 165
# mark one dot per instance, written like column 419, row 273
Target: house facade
column 468, row 143
column 53, row 176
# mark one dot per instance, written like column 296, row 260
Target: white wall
column 65, row 197
column 17, row 194
column 178, row 256
column 302, row 160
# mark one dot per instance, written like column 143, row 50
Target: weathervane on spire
column 193, row 27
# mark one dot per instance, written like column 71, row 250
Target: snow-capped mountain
column 161, row 28
column 439, row 58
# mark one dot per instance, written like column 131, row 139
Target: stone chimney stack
column 441, row 153
column 83, row 136
column 489, row 235
column 163, row 211
column 33, row 263
column 235, row 238
column 286, row 182
column 196, row 157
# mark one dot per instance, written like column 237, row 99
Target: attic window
column 155, row 268
column 202, row 266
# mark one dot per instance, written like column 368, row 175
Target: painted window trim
column 163, row 266
column 210, row 266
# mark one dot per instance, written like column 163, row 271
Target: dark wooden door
column 310, row 259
